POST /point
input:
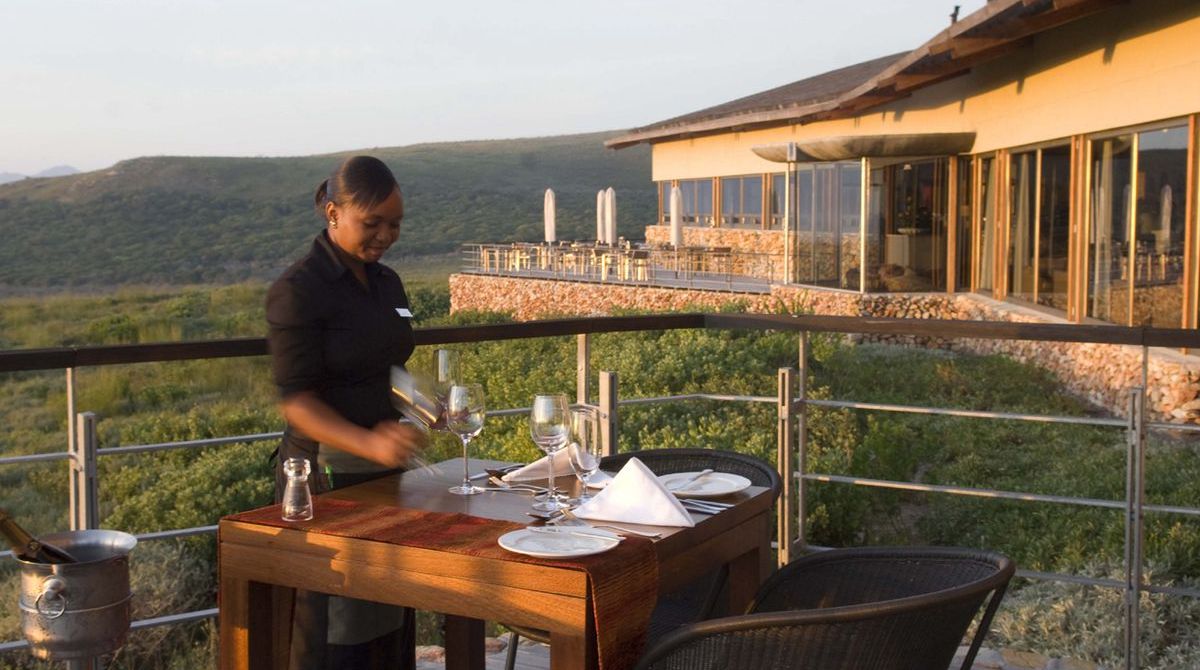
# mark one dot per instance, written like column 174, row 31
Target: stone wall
column 529, row 299
column 1101, row 373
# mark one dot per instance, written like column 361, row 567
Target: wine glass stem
column 550, row 477
column 466, row 476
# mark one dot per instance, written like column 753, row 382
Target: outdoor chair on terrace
column 876, row 608
column 701, row 599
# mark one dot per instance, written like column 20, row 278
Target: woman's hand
column 391, row 444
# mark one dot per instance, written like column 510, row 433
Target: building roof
column 998, row 28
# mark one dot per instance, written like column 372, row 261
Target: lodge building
column 1034, row 161
column 1041, row 152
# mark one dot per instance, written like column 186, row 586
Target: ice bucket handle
column 52, row 601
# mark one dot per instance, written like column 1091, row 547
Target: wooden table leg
column 464, row 643
column 246, row 624
column 747, row 572
column 576, row 650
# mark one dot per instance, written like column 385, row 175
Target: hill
column 187, row 220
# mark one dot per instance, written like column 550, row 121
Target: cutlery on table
column 553, row 518
column 585, row 531
column 683, row 485
column 500, row 484
column 496, row 472
column 703, row 508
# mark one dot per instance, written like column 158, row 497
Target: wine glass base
column 462, row 490
column 549, row 506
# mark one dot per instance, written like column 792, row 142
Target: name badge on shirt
column 403, row 311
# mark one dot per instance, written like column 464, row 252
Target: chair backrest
column 876, row 608
column 668, row 461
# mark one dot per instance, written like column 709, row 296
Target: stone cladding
column 1101, row 373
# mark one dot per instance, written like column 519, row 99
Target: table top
column 425, row 490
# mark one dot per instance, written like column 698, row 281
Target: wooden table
column 255, row 560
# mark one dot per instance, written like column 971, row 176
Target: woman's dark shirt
column 333, row 336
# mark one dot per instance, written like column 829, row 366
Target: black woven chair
column 701, row 599
column 878, row 608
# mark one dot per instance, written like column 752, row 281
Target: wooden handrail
column 73, row 357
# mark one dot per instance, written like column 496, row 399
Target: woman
column 339, row 320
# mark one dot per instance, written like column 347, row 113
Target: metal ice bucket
column 78, row 610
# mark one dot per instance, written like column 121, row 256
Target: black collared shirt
column 331, row 335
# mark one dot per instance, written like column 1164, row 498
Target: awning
column 853, row 147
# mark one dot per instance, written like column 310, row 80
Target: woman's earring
column 332, row 223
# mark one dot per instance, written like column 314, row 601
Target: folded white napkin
column 635, row 496
column 599, row 480
column 537, row 469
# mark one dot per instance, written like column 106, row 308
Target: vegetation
column 181, row 220
column 176, row 401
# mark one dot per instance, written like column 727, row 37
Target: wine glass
column 464, row 417
column 549, row 426
column 584, row 449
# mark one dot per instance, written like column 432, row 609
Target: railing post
column 608, row 412
column 1135, row 490
column 800, row 419
column 786, row 447
column 583, row 350
column 85, row 512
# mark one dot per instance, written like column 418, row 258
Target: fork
column 567, row 514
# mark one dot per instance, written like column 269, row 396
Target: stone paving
column 534, row 656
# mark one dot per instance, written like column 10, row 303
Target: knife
column 680, row 486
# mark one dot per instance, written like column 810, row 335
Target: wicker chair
column 874, row 608
column 699, row 600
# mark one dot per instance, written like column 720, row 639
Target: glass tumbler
column 297, row 498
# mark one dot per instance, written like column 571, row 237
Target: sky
column 90, row 82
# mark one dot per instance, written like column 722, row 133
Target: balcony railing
column 708, row 268
column 792, row 404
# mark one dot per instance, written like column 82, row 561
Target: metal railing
column 792, row 407
column 709, row 268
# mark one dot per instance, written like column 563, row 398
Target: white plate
column 555, row 545
column 712, row 485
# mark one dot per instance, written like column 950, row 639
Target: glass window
column 804, row 225
column 697, row 202
column 1022, row 228
column 987, row 225
column 741, row 202
column 827, row 223
column 1054, row 223
column 778, row 193
column 1108, row 243
column 664, row 202
column 910, row 225
column 962, row 274
column 850, row 215
column 1159, row 227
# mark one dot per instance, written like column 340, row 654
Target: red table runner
column 621, row 580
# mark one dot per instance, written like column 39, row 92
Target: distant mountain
column 179, row 220
column 57, row 171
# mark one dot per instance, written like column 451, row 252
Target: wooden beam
column 964, row 46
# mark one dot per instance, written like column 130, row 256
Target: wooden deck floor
column 529, row 657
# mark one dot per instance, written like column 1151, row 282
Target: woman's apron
column 321, row 620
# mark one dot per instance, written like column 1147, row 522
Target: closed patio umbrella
column 610, row 213
column 600, row 216
column 548, row 215
column 676, row 205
